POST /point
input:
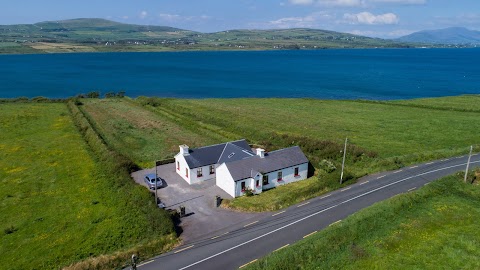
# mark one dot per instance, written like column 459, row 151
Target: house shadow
column 311, row 170
column 177, row 220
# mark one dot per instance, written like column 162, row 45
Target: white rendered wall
column 183, row 164
column 205, row 175
column 249, row 183
column 192, row 173
column 287, row 176
column 224, row 180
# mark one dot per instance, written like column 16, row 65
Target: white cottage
column 237, row 168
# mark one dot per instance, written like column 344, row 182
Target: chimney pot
column 184, row 150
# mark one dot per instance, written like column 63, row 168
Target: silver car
column 150, row 181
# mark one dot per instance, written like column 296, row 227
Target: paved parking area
column 199, row 201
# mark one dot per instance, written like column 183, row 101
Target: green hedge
column 157, row 233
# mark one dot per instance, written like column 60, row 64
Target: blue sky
column 379, row 18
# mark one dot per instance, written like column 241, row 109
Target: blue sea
column 381, row 74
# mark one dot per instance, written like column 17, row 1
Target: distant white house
column 237, row 168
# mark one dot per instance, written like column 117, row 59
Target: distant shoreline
column 162, row 50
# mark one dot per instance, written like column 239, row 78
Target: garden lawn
column 57, row 203
column 435, row 227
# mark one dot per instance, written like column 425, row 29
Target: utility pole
column 156, row 180
column 343, row 162
column 468, row 163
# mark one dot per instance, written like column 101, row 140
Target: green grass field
column 386, row 129
column 58, row 203
column 138, row 133
column 456, row 103
column 434, row 228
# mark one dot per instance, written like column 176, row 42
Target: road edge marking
column 279, row 213
column 250, row 224
column 281, row 247
column 336, row 222
column 303, row 204
column 183, row 249
column 142, row 264
column 310, row 234
column 248, row 263
column 215, row 237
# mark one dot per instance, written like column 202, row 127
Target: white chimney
column 184, row 150
column 260, row 152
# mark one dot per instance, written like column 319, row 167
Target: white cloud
column 301, row 2
column 180, row 18
column 341, row 3
column 169, row 17
column 369, row 18
column 312, row 20
column 354, row 3
column 143, row 14
column 381, row 34
column 402, row 2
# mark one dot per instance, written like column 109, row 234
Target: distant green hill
column 104, row 35
column 452, row 35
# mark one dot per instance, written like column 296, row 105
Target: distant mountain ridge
column 452, row 35
column 84, row 35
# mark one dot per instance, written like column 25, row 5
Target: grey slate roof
column 273, row 161
column 212, row 154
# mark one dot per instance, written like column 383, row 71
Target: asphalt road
column 241, row 244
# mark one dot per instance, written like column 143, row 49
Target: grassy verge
column 434, row 226
column 61, row 203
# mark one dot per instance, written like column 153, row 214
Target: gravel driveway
column 203, row 217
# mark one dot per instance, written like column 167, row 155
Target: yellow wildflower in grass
column 14, row 149
column 16, row 170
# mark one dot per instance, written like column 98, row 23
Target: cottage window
column 258, row 183
column 265, row 179
column 199, row 172
column 186, row 172
column 212, row 169
column 178, row 165
column 279, row 176
column 296, row 171
column 243, row 186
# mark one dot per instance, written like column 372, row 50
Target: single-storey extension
column 236, row 168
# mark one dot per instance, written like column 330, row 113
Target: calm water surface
column 326, row 74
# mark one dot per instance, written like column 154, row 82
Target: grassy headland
column 98, row 35
column 434, row 227
column 61, row 202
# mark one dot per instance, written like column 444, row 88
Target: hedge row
column 159, row 232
